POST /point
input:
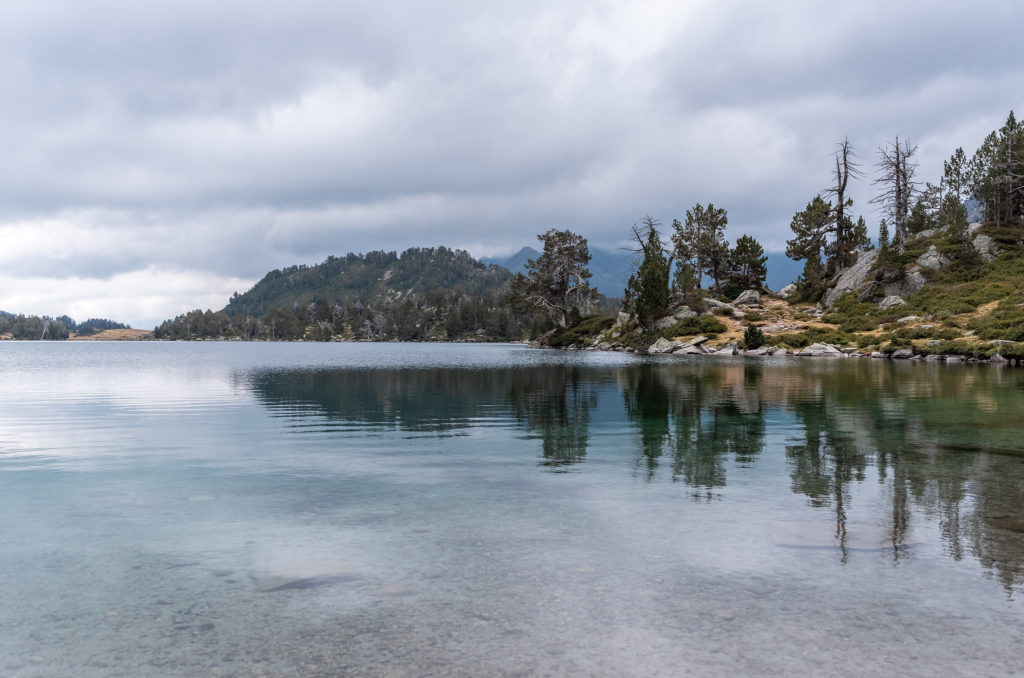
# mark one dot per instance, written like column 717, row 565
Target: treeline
column 437, row 316
column 31, row 327
column 826, row 238
column 424, row 294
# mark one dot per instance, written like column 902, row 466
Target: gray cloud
column 220, row 141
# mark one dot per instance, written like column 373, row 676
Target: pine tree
column 811, row 283
column 648, row 287
column 700, row 238
column 556, row 281
column 747, row 265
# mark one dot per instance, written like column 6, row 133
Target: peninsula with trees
column 940, row 277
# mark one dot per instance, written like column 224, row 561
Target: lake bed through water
column 182, row 509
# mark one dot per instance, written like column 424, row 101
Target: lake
column 229, row 509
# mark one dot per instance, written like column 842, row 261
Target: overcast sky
column 158, row 156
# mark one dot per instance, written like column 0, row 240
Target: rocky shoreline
column 622, row 337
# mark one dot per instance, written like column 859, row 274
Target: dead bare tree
column 846, row 166
column 896, row 176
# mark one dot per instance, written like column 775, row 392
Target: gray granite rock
column 663, row 345
column 911, row 282
column 665, row 323
column 684, row 312
column 892, row 301
column 902, row 353
column 696, row 341
column 853, row 278
column 908, row 319
column 748, row 298
column 932, row 259
column 788, row 291
column 985, row 247
column 820, row 350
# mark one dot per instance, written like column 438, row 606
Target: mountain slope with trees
column 422, row 294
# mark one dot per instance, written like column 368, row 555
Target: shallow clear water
column 355, row 509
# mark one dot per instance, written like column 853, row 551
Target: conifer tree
column 701, row 238
column 647, row 289
column 747, row 264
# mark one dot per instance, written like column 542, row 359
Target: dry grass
column 115, row 335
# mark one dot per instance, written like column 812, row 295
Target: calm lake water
column 488, row 510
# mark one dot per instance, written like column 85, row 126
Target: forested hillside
column 436, row 294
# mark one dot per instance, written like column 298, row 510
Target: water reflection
column 941, row 446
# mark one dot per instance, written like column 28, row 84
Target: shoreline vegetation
column 941, row 280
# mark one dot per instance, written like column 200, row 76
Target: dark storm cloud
column 220, row 140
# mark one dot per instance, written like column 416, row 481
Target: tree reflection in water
column 944, row 443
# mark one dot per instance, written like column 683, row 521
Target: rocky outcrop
column 788, row 291
column 821, row 350
column 910, row 283
column 663, row 345
column 665, row 323
column 890, row 302
column 984, row 245
column 748, row 298
column 853, row 278
column 932, row 259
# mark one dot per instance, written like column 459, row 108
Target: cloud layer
column 159, row 156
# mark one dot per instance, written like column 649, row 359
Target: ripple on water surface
column 297, row 509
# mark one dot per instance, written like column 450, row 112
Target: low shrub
column 753, row 337
column 584, row 331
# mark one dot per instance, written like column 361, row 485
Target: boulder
column 748, row 298
column 985, row 247
column 763, row 350
column 908, row 319
column 998, row 360
column 777, row 327
column 877, row 354
column 911, row 282
column 663, row 345
column 891, row 301
column 665, row 323
column 902, row 353
column 728, row 349
column 696, row 349
column 788, row 291
column 780, row 351
column 927, row 233
column 624, row 319
column 696, row 341
column 932, row 259
column 854, row 277
column 684, row 312
column 820, row 350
